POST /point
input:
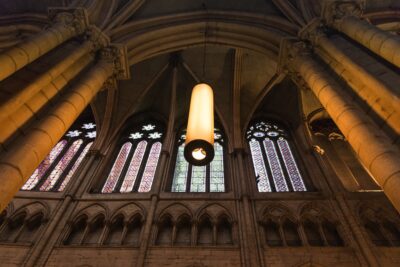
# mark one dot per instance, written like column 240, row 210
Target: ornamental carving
column 117, row 54
column 96, row 37
column 75, row 18
column 334, row 10
column 290, row 48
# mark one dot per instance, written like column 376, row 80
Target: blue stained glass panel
column 181, row 170
column 217, row 170
column 198, row 182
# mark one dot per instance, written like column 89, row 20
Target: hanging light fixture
column 199, row 144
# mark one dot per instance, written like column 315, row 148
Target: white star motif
column 91, row 134
column 148, row 127
column 217, row 136
column 88, row 126
column 155, row 135
column 183, row 136
column 73, row 133
column 136, row 136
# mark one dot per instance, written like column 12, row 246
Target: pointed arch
column 134, row 167
column 274, row 162
column 200, row 179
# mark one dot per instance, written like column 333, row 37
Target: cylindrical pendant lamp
column 199, row 144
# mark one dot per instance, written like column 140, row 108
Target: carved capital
column 336, row 136
column 117, row 54
column 110, row 84
column 98, row 39
column 319, row 150
column 334, row 10
column 75, row 18
column 290, row 48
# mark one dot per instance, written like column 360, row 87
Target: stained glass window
column 57, row 169
column 209, row 178
column 135, row 165
column 274, row 165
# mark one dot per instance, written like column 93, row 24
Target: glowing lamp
column 199, row 144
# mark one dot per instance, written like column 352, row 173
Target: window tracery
column 135, row 165
column 273, row 160
column 57, row 169
column 209, row 178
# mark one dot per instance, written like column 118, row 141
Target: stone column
column 19, row 163
column 29, row 109
column 68, row 23
column 380, row 96
column 373, row 148
column 344, row 16
column 11, row 104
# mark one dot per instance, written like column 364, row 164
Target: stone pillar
column 380, row 96
column 343, row 16
column 19, row 163
column 29, row 109
column 11, row 104
column 375, row 151
column 68, row 23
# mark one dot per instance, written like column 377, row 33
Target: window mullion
column 189, row 178
column 208, row 177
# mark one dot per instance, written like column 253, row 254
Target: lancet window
column 274, row 162
column 135, row 164
column 57, row 169
column 209, row 178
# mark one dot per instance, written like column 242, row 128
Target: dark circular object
column 202, row 144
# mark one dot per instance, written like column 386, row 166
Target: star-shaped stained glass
column 88, row 126
column 148, row 127
column 73, row 133
column 91, row 134
column 136, row 135
column 155, row 135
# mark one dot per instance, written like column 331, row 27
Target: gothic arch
column 277, row 212
column 129, row 211
column 34, row 208
column 214, row 211
column 175, row 211
column 224, row 27
column 92, row 211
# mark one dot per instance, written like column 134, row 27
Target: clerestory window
column 274, row 164
column 135, row 165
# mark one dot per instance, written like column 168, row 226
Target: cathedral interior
column 94, row 104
